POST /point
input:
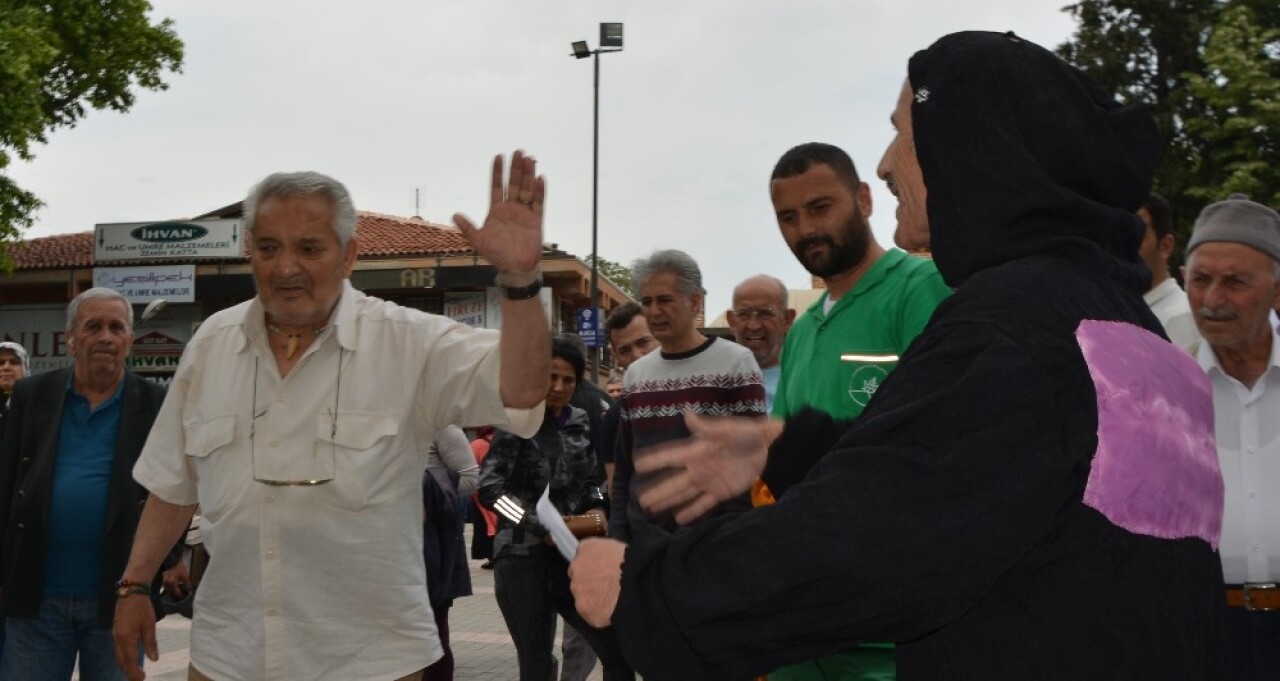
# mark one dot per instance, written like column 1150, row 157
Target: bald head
column 760, row 318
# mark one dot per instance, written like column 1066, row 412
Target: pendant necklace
column 293, row 338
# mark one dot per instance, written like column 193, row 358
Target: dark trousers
column 530, row 591
column 579, row 658
column 1253, row 645
column 442, row 669
column 481, row 542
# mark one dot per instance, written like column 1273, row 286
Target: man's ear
column 349, row 257
column 1165, row 247
column 864, row 199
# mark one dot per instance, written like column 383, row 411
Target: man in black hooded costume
column 1032, row 494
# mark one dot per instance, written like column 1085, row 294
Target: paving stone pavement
column 482, row 648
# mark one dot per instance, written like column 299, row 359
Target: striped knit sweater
column 718, row 378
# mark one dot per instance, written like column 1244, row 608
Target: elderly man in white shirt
column 1233, row 282
column 299, row 422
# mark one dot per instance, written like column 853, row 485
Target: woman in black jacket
column 530, row 576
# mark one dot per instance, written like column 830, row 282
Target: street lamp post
column 610, row 41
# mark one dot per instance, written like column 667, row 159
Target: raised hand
column 719, row 462
column 511, row 238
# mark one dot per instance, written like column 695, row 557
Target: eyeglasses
column 317, row 456
column 764, row 314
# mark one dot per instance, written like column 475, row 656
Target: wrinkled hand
column 596, row 579
column 721, row 460
column 135, row 621
column 511, row 239
column 177, row 581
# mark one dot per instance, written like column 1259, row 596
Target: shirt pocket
column 360, row 446
column 218, row 463
column 205, row 438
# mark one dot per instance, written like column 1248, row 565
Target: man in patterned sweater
column 692, row 372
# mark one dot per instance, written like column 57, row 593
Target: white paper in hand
column 560, row 533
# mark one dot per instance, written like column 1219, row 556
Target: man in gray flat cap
column 1233, row 282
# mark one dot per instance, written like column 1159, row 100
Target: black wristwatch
column 520, row 292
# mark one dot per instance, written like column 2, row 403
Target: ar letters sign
column 147, row 240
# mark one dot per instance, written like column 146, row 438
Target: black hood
column 1022, row 154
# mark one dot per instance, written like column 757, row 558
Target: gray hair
column 277, row 185
column 95, row 293
column 679, row 263
column 782, row 288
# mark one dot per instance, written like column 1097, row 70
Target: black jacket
column 954, row 515
column 443, row 548
column 521, row 468
column 27, row 458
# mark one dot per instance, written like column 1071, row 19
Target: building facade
column 410, row 261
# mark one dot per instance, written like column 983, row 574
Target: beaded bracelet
column 128, row 587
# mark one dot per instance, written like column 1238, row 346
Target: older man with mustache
column 1233, row 282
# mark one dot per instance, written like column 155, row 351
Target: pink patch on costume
column 1156, row 468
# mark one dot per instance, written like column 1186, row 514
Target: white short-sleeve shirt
column 325, row 581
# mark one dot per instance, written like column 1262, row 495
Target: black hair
column 563, row 348
column 799, row 159
column 621, row 316
column 1161, row 215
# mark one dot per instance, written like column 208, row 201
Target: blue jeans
column 45, row 648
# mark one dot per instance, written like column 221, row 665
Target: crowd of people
column 1012, row 448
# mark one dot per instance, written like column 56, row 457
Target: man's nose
column 1214, row 295
column 806, row 226
column 884, row 169
column 286, row 262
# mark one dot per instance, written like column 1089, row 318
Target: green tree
column 1240, row 88
column 59, row 58
column 617, row 273
column 1170, row 54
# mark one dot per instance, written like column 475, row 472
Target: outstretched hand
column 720, row 461
column 511, row 238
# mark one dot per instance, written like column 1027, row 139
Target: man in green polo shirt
column 840, row 350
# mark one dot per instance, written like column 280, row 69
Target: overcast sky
column 390, row 96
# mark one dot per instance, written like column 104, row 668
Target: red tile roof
column 379, row 236
column 53, row 252
column 391, row 235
